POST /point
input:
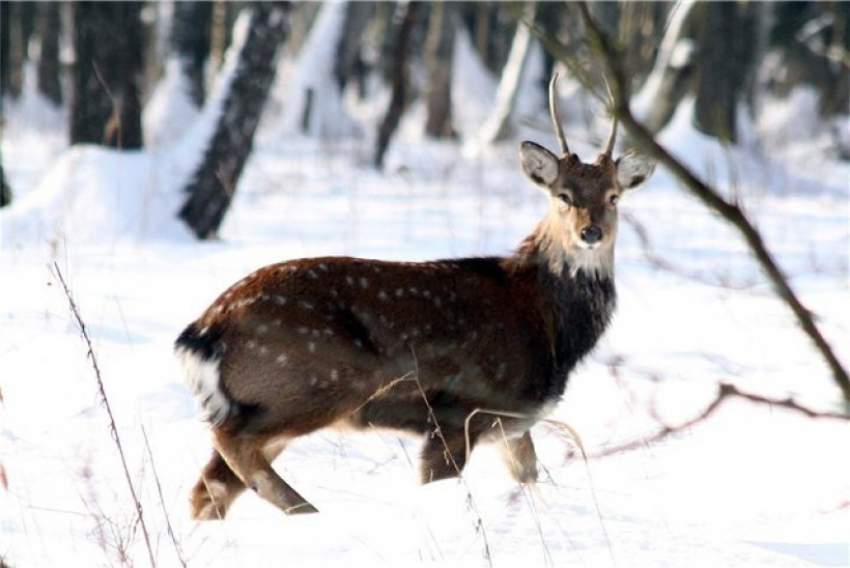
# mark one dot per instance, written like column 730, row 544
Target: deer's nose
column 591, row 234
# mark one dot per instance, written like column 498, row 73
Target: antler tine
column 553, row 109
column 612, row 136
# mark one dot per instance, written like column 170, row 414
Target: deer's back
column 301, row 333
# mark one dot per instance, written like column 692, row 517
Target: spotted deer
column 434, row 348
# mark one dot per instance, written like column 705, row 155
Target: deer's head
column 581, row 225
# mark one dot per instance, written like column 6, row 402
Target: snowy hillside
column 752, row 486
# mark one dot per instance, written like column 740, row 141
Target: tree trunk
column 724, row 61
column 672, row 75
column 498, row 125
column 18, row 18
column 49, row 26
column 403, row 21
column 5, row 47
column 190, row 39
column 5, row 190
column 439, row 51
column 349, row 64
column 214, row 182
column 224, row 15
column 107, row 74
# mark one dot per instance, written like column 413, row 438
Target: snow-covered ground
column 752, row 486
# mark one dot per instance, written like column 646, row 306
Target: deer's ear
column 633, row 169
column 538, row 163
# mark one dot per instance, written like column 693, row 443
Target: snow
column 751, row 486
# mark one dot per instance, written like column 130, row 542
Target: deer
column 435, row 349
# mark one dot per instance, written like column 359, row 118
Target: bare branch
column 731, row 212
column 113, row 429
column 725, row 392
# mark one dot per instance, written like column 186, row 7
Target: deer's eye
column 614, row 199
column 565, row 197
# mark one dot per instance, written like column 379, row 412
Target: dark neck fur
column 576, row 305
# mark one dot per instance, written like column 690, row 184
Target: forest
column 154, row 153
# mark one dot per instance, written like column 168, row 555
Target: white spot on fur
column 382, row 295
column 364, row 283
column 244, row 302
column 280, row 300
column 262, row 328
column 311, row 347
column 312, row 273
column 349, row 280
column 281, row 359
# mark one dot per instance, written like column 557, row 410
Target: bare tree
column 349, row 61
column 498, row 125
column 213, row 183
column 5, row 48
column 105, row 107
column 49, row 27
column 405, row 16
column 439, row 51
column 672, row 73
column 723, row 66
column 17, row 21
column 5, row 190
column 190, row 39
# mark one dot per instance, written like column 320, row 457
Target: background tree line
column 103, row 61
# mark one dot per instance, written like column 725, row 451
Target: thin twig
column 168, row 526
column 573, row 433
column 438, row 431
column 724, row 393
column 730, row 211
column 113, row 429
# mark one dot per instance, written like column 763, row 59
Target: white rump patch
column 203, row 377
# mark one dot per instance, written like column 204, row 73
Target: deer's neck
column 551, row 247
column 577, row 299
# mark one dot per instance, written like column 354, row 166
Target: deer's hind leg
column 249, row 457
column 215, row 491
